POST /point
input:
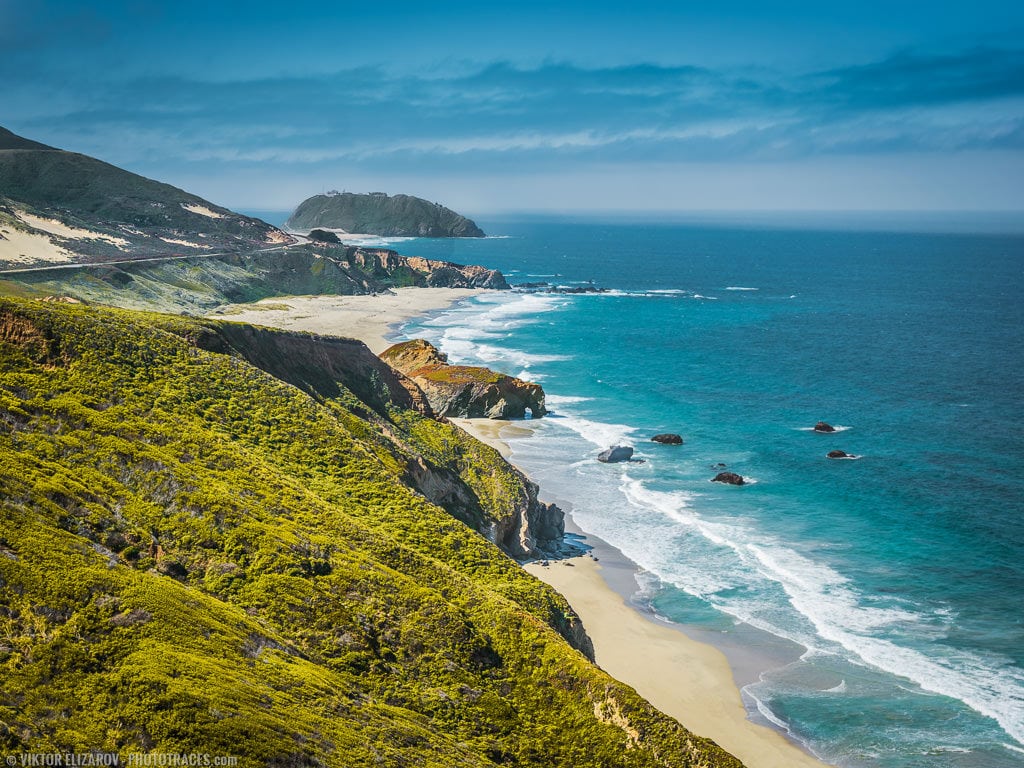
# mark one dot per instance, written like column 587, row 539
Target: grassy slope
column 198, row 557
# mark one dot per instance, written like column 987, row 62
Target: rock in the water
column 379, row 214
column 667, row 438
column 463, row 390
column 823, row 426
column 616, row 453
column 838, row 455
column 729, row 477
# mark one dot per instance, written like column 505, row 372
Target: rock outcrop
column 463, row 390
column 380, row 214
column 823, row 426
column 730, row 478
column 667, row 438
column 837, row 454
column 615, row 454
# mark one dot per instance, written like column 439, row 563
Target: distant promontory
column 377, row 213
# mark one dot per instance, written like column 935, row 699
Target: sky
column 535, row 106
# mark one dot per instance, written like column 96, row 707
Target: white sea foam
column 841, row 688
column 566, row 400
column 836, row 427
column 835, row 614
column 732, row 565
column 740, row 288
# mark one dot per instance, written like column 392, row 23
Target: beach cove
column 689, row 680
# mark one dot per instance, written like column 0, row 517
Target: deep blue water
column 898, row 577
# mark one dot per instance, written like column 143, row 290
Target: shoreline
column 370, row 318
column 693, row 680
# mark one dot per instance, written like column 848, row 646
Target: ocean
column 876, row 603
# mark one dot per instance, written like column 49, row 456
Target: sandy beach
column 687, row 679
column 368, row 318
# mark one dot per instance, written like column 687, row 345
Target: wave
column 566, row 400
column 740, row 288
column 727, row 562
column 830, row 615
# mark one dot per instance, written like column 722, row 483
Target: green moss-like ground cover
column 196, row 556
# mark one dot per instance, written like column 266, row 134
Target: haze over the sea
column 524, row 106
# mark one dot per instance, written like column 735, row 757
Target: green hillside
column 380, row 214
column 211, row 543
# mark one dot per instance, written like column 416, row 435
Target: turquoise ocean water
column 887, row 591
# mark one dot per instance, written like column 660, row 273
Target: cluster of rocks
column 543, row 287
column 825, row 428
column 617, row 453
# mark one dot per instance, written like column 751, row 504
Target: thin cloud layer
column 556, row 113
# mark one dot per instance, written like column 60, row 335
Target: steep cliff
column 463, row 390
column 197, row 556
column 380, row 214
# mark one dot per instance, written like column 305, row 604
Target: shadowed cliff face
column 463, row 390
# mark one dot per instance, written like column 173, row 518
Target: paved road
column 50, row 267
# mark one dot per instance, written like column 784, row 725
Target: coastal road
column 85, row 265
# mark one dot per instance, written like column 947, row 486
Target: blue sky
column 535, row 106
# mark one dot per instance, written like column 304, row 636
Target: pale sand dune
column 202, row 210
column 189, row 243
column 18, row 247
column 60, row 229
column 367, row 318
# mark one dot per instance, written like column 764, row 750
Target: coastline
column 368, row 318
column 691, row 680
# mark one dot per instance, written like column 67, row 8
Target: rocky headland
column 377, row 213
column 463, row 390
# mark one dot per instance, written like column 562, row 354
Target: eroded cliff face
column 463, row 390
column 471, row 481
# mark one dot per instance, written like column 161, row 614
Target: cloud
column 558, row 114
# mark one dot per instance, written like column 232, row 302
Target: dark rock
column 667, row 438
column 822, row 426
column 838, row 455
column 323, row 236
column 729, row 477
column 615, row 454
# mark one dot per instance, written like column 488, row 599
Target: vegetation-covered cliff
column 381, row 214
column 196, row 285
column 228, row 540
column 58, row 206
